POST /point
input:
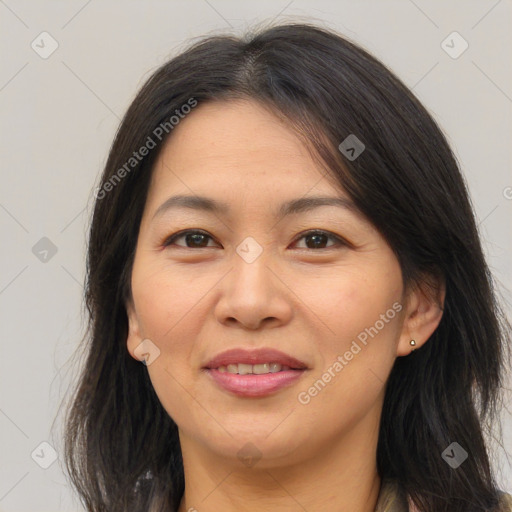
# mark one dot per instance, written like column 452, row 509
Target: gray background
column 59, row 116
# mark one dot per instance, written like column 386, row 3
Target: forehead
column 232, row 143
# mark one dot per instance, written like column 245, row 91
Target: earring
column 412, row 343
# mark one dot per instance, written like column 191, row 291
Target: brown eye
column 196, row 239
column 193, row 239
column 318, row 239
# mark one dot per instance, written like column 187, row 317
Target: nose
column 253, row 295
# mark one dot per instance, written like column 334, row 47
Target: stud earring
column 412, row 343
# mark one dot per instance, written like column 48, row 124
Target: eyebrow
column 294, row 206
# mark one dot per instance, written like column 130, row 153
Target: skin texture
column 195, row 302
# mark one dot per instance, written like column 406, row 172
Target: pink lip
column 257, row 356
column 252, row 385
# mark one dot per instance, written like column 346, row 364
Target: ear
column 423, row 312
column 134, row 337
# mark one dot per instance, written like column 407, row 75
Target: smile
column 254, row 373
column 255, row 369
column 252, row 384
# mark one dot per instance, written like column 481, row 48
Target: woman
column 290, row 308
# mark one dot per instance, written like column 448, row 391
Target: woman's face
column 254, row 278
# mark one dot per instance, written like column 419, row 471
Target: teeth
column 256, row 369
column 244, row 369
column 259, row 369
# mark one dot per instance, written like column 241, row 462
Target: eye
column 316, row 239
column 196, row 238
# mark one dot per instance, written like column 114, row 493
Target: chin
column 251, row 447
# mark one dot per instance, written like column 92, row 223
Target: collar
column 390, row 498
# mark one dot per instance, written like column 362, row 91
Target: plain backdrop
column 60, row 112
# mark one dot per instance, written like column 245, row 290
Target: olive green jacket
column 391, row 500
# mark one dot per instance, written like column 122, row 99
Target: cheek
column 358, row 352
column 166, row 299
column 359, row 307
column 350, row 300
column 167, row 308
column 168, row 305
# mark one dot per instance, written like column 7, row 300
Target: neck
column 343, row 477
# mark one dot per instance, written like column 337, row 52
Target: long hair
column 122, row 448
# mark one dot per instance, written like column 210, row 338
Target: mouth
column 256, row 373
column 254, row 369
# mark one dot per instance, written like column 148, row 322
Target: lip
column 257, row 356
column 252, row 385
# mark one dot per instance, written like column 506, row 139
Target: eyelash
column 169, row 240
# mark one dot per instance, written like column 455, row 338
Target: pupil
column 196, row 237
column 315, row 237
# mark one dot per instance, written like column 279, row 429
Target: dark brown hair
column 122, row 448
